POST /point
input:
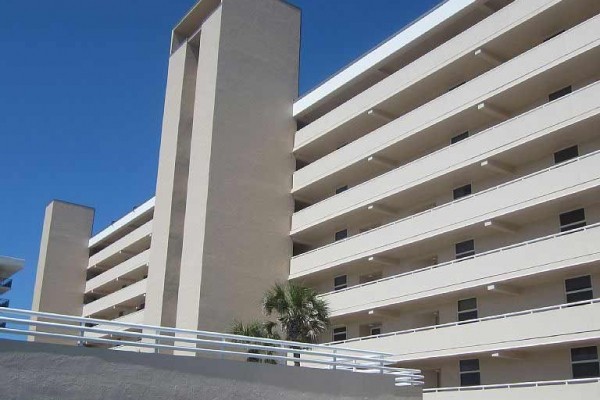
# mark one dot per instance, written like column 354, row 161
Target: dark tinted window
column 340, row 282
column 566, row 154
column 467, row 309
column 462, row 191
column 465, row 249
column 339, row 334
column 376, row 331
column 469, row 373
column 343, row 234
column 572, row 220
column 460, row 137
column 559, row 93
column 584, row 362
column 579, row 289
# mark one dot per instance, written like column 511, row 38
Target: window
column 375, row 330
column 559, row 93
column 467, row 309
column 339, row 334
column 462, row 191
column 460, row 137
column 572, row 220
column 341, row 189
column 579, row 289
column 464, row 249
column 553, row 35
column 566, row 154
column 343, row 234
column 340, row 282
column 584, row 362
column 469, row 372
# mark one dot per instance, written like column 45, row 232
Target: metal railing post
column 334, row 358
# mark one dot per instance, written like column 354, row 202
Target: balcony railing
column 470, row 321
column 445, row 206
column 148, row 338
column 513, row 385
column 478, row 255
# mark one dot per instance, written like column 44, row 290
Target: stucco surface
column 42, row 371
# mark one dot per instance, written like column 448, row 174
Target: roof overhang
column 378, row 55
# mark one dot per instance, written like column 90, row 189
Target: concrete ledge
column 45, row 371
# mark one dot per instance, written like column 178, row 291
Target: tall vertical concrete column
column 171, row 188
column 63, row 260
column 238, row 211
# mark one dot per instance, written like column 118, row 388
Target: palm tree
column 257, row 329
column 303, row 316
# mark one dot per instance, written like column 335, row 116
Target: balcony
column 129, row 245
column 574, row 112
column 132, row 318
column 513, row 86
column 544, row 390
column 539, row 189
column 519, row 330
column 542, row 255
column 126, row 299
column 130, row 270
column 510, row 31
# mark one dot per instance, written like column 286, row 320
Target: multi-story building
column 443, row 199
column 8, row 267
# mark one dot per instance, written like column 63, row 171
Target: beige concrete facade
column 444, row 199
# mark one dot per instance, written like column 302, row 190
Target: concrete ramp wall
column 31, row 371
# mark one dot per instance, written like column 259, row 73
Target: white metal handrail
column 513, row 385
column 478, row 255
column 469, row 197
column 556, row 103
column 470, row 321
column 76, row 331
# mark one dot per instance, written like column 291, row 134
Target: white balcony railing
column 592, row 227
column 587, row 388
column 543, row 120
column 471, row 321
column 570, row 177
column 77, row 330
column 529, row 65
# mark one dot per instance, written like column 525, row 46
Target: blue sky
column 81, row 98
